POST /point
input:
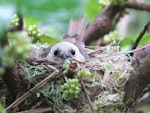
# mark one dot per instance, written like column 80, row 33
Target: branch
column 101, row 25
column 139, row 77
column 138, row 5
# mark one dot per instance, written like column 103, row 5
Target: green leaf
column 30, row 21
column 48, row 39
column 93, row 9
column 126, row 43
column 2, row 109
column 145, row 39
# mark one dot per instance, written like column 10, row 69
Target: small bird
column 72, row 46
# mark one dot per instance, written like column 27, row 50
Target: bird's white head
column 63, row 52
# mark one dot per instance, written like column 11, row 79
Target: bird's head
column 63, row 52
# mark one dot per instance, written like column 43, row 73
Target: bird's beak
column 64, row 56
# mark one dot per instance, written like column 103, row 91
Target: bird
column 71, row 47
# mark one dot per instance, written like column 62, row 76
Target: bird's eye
column 56, row 52
column 73, row 52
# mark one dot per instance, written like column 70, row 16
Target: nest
column 103, row 92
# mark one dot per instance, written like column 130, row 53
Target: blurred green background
column 52, row 17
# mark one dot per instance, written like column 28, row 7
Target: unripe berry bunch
column 15, row 21
column 84, row 73
column 19, row 48
column 34, row 31
column 71, row 89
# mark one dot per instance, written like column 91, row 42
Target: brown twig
column 39, row 110
column 87, row 96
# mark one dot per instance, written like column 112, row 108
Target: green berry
column 85, row 73
column 14, row 21
column 70, row 91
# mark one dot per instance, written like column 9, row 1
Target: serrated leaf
column 48, row 39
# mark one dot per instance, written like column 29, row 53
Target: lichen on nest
column 110, row 70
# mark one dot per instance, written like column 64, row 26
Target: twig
column 102, row 24
column 39, row 110
column 53, row 68
column 27, row 94
column 140, row 36
column 87, row 96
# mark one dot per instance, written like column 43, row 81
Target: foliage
column 114, row 2
column 18, row 49
column 92, row 9
column 113, row 36
column 2, row 109
column 127, row 43
column 40, row 37
column 52, row 14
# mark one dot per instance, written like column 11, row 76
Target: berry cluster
column 71, row 89
column 34, row 31
column 14, row 21
column 113, row 36
column 19, row 48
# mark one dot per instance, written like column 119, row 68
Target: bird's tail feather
column 77, row 27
